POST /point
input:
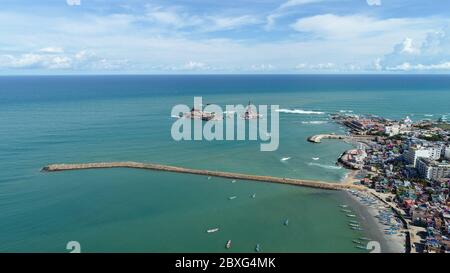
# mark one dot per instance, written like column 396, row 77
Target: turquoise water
column 110, row 118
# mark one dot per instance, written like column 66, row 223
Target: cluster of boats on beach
column 385, row 215
column 355, row 225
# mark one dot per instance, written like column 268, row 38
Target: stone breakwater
column 230, row 175
column 349, row 138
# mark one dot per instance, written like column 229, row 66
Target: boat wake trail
column 330, row 167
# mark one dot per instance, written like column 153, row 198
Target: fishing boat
column 357, row 228
column 315, row 158
column 212, row 230
column 353, row 222
column 357, row 242
column 360, row 247
column 232, row 197
column 351, row 215
column 353, row 225
column 254, row 195
column 258, row 248
column 228, row 245
column 286, row 222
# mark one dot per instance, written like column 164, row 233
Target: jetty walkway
column 318, row 138
column 230, row 175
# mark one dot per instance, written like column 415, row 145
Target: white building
column 392, row 130
column 430, row 169
column 447, row 153
column 432, row 152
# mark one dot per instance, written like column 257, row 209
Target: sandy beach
column 374, row 229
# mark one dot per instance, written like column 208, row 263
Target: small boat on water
column 212, row 230
column 357, row 242
column 258, row 248
column 232, row 197
column 353, row 222
column 360, row 247
column 351, row 215
column 364, row 239
column 343, row 206
column 315, row 158
column 346, row 210
column 228, row 245
column 285, row 158
column 233, row 181
column 357, row 228
column 254, row 195
column 209, row 177
column 353, row 225
column 286, row 222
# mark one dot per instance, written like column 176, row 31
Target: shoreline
column 372, row 226
column 376, row 229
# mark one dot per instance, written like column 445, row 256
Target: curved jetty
column 166, row 168
column 318, row 138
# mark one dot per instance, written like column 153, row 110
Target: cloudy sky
column 224, row 36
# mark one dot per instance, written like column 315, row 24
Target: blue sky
column 229, row 36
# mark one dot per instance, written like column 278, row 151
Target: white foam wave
column 314, row 122
column 300, row 111
column 345, row 111
column 330, row 167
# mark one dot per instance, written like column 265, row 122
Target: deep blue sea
column 69, row 119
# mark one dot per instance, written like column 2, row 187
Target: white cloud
column 177, row 18
column 350, row 26
column 433, row 54
column 73, row 2
column 172, row 17
column 32, row 60
column 262, row 67
column 283, row 9
column 226, row 23
column 56, row 60
column 374, row 2
column 317, row 66
column 52, row 50
column 191, row 65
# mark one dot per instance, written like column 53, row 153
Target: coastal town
column 406, row 165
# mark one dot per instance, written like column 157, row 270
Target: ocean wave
column 428, row 115
column 314, row 122
column 300, row 111
column 345, row 111
column 330, row 167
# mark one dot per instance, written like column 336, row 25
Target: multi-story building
column 447, row 153
column 432, row 170
column 412, row 154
